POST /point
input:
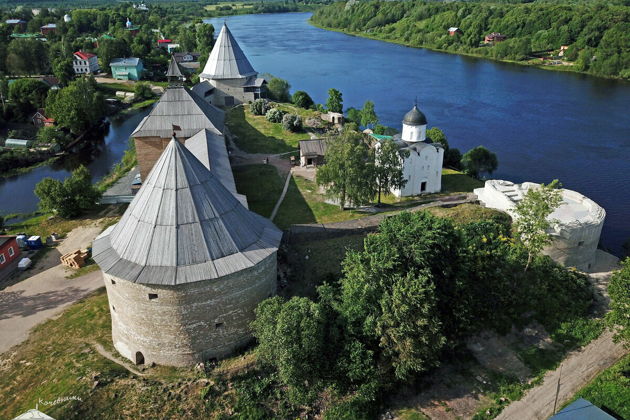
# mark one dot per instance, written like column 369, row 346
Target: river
column 541, row 124
column 16, row 193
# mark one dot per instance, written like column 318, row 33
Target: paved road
column 577, row 370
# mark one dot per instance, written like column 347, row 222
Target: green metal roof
column 380, row 136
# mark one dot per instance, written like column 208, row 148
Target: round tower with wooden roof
column 185, row 266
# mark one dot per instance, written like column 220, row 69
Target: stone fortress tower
column 577, row 222
column 228, row 78
column 185, row 266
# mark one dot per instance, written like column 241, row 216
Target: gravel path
column 44, row 295
column 576, row 370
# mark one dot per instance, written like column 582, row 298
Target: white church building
column 422, row 168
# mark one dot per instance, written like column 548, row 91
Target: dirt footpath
column 577, row 370
column 45, row 294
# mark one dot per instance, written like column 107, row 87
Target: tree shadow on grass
column 251, row 140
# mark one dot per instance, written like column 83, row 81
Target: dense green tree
column 69, row 198
column 52, row 135
column 302, row 99
column 437, row 136
column 478, row 160
column 532, row 213
column 353, row 115
column 27, row 95
column 389, row 167
column 368, row 115
column 293, row 338
column 27, row 56
column 533, row 26
column 618, row 319
column 63, row 70
column 77, row 106
column 335, row 101
column 205, row 37
column 348, row 174
column 108, row 49
column 278, row 89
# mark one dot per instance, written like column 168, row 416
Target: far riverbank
column 558, row 68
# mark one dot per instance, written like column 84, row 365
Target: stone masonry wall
column 186, row 324
column 230, row 87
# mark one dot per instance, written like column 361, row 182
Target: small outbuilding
column 494, row 38
column 34, row 242
column 9, row 250
column 454, row 30
column 18, row 143
column 312, row 152
column 41, row 120
column 48, row 29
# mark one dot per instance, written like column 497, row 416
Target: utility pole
column 555, row 403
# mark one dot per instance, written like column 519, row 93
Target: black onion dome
column 415, row 117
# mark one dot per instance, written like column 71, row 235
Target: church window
column 423, row 186
column 113, row 281
column 153, row 296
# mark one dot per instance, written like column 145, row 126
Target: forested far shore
column 587, row 38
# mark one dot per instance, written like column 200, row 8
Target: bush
column 275, row 115
column 259, row 107
column 292, row 122
column 142, row 90
column 301, row 99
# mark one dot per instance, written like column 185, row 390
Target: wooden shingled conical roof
column 227, row 60
column 183, row 226
column 174, row 71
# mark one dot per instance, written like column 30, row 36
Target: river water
column 16, row 193
column 541, row 124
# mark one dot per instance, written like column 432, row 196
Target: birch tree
column 532, row 222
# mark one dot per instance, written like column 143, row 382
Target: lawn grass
column 454, row 181
column 466, row 213
column 254, row 134
column 45, row 224
column 261, row 184
column 304, row 204
column 610, row 389
column 313, row 262
column 58, row 360
column 235, row 5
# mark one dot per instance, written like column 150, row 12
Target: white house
column 422, row 168
column 85, row 63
